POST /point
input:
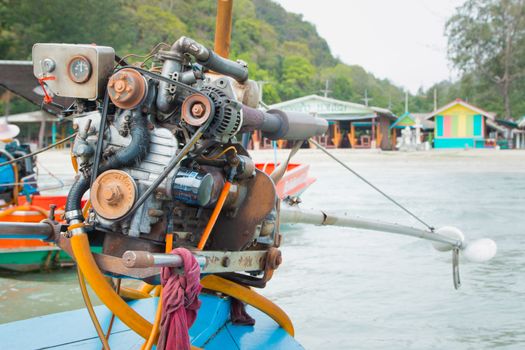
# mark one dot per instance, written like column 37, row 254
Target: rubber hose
column 250, row 297
column 74, row 197
column 133, row 153
column 136, row 150
column 106, row 293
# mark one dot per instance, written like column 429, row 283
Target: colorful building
column 418, row 121
column 351, row 125
column 460, row 124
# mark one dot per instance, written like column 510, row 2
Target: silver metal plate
column 101, row 59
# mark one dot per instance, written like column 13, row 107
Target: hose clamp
column 76, row 229
column 73, row 214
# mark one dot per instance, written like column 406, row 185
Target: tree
column 297, row 77
column 488, row 37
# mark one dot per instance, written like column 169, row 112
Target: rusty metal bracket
column 273, row 260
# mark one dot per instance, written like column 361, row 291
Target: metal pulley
column 113, row 194
column 127, row 88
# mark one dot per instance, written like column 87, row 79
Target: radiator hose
column 127, row 156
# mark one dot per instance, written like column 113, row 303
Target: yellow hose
column 89, row 268
column 245, row 294
column 85, row 209
column 154, row 335
column 91, row 311
column 133, row 294
column 141, row 326
column 147, row 288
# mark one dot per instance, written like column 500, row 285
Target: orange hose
column 154, row 335
column 91, row 310
column 147, row 288
column 169, row 242
column 104, row 291
column 250, row 297
column 214, row 215
column 24, row 207
column 86, row 208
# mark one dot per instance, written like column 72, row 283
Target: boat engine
column 158, row 150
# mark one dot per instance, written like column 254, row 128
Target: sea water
column 355, row 289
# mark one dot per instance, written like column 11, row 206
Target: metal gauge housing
column 79, row 69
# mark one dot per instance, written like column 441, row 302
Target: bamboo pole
column 223, row 27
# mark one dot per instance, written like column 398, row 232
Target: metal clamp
column 73, row 214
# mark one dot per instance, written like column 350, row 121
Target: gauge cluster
column 71, row 70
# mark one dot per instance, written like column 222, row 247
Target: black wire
column 171, row 165
column 370, row 184
column 39, row 151
column 100, row 141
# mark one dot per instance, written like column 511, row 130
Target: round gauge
column 79, row 69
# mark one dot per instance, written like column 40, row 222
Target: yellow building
column 460, row 124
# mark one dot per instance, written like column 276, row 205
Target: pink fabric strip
column 180, row 302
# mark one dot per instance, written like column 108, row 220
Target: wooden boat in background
column 31, row 254
column 294, row 182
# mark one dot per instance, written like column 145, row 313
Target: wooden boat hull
column 32, row 254
column 212, row 330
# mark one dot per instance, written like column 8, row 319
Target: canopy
column 17, row 77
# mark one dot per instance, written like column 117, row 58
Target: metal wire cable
column 39, row 151
column 431, row 228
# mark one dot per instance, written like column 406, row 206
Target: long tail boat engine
column 157, row 149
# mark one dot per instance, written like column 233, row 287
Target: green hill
column 281, row 48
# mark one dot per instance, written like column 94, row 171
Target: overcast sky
column 402, row 40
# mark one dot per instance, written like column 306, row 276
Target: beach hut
column 351, row 125
column 460, row 124
column 424, row 128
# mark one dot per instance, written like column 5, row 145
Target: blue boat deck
column 212, row 329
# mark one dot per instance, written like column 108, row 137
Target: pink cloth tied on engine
column 180, row 302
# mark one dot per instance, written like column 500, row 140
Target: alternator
column 227, row 119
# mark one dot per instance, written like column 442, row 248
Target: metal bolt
column 112, row 194
column 52, row 208
column 225, row 261
column 155, row 212
column 120, row 86
column 198, row 110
